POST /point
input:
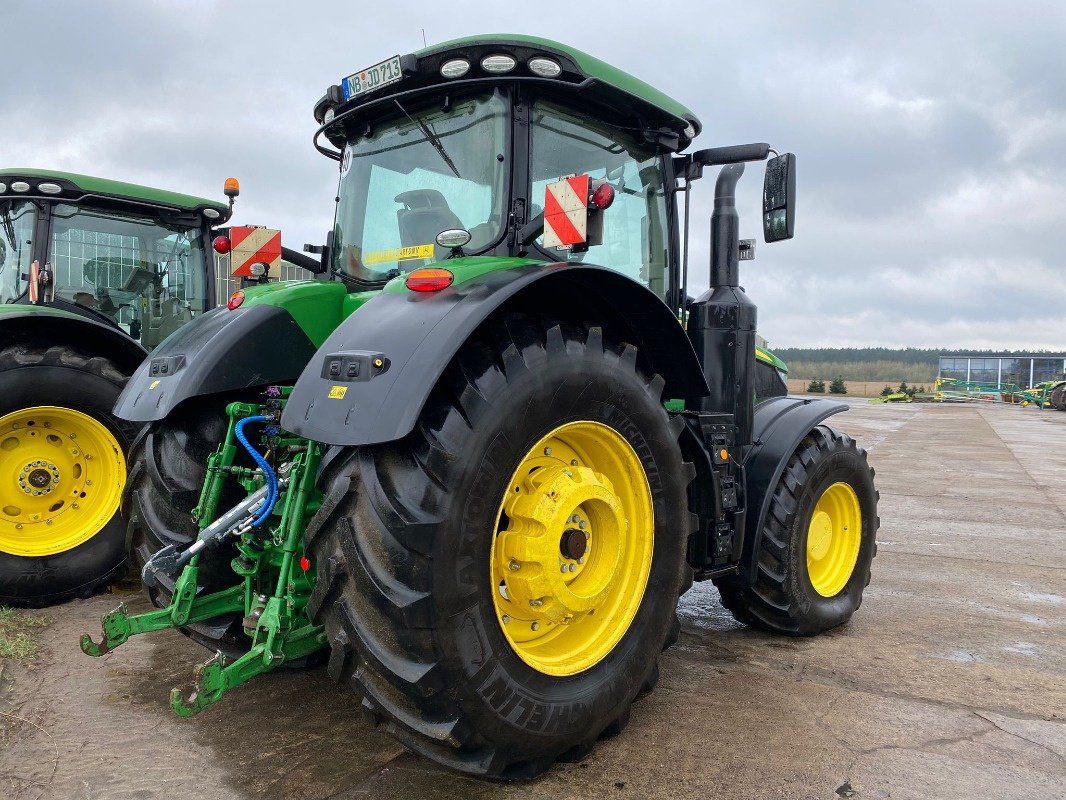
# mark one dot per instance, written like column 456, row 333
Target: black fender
column 387, row 356
column 220, row 351
column 779, row 426
column 45, row 327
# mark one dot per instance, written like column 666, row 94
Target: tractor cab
column 472, row 136
column 131, row 257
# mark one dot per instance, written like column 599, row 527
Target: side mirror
column 779, row 198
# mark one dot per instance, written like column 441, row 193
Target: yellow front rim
column 61, row 478
column 573, row 549
column 833, row 539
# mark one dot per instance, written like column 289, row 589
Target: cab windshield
column 145, row 275
column 421, row 171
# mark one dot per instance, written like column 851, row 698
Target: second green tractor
column 475, row 469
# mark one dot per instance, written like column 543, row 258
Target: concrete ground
column 950, row 682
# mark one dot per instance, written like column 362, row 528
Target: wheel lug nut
column 535, row 626
column 581, row 560
column 514, row 565
column 573, row 462
column 506, row 619
column 563, row 568
column 536, row 603
column 547, row 451
column 582, row 524
column 573, row 567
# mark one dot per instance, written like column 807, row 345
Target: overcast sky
column 931, row 212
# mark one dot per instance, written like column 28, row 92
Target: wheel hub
column 574, row 543
column 833, row 538
column 821, row 535
column 61, row 477
column 39, row 478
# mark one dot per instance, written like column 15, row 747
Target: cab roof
column 82, row 188
column 581, row 72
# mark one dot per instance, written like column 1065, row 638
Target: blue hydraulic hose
column 272, row 479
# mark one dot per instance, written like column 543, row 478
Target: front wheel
column 499, row 584
column 817, row 543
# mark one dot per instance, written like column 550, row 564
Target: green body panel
column 465, row 269
column 23, row 309
column 317, row 306
column 590, row 65
column 353, row 302
column 120, row 190
column 764, row 355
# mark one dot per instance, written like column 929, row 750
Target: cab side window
column 635, row 227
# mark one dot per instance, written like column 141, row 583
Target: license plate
column 371, row 78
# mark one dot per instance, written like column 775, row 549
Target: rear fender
column 41, row 326
column 780, row 425
column 372, row 376
column 222, row 350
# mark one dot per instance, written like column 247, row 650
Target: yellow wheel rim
column 573, row 549
column 833, row 539
column 61, row 478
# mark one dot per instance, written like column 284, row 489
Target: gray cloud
column 931, row 205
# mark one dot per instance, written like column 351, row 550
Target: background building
column 1020, row 369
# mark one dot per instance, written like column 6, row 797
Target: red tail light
column 602, row 197
column 235, row 300
column 431, row 279
column 221, row 244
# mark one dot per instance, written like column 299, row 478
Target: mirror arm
column 300, row 260
column 529, row 232
column 733, row 154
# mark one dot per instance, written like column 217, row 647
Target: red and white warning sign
column 253, row 245
column 566, row 212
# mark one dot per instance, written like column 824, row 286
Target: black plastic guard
column 780, row 425
column 218, row 352
column 39, row 326
column 342, row 398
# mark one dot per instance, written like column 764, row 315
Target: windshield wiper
column 432, row 137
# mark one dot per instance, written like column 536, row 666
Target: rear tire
column 402, row 550
column 784, row 598
column 76, row 386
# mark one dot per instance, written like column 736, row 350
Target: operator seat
column 425, row 213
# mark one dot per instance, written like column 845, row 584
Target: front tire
column 62, row 466
column 818, row 541
column 407, row 586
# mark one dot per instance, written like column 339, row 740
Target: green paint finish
column 315, row 305
column 590, row 65
column 117, row 189
column 21, row 310
column 353, row 302
column 769, row 358
column 465, row 269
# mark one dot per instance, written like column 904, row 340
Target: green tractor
column 476, row 469
column 94, row 274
